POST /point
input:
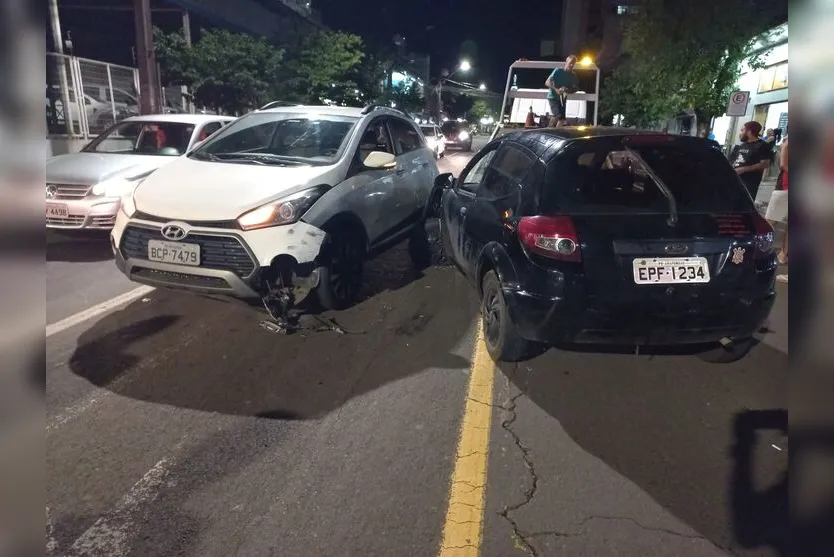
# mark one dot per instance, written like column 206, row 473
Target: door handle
column 463, row 211
column 401, row 171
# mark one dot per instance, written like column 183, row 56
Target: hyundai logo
column 51, row 191
column 676, row 249
column 173, row 232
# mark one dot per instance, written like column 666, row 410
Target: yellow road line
column 464, row 518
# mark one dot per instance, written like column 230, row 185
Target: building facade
column 768, row 88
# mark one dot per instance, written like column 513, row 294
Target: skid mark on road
column 463, row 528
column 111, row 534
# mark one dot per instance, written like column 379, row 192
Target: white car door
column 416, row 170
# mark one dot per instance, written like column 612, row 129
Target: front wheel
column 502, row 340
column 340, row 278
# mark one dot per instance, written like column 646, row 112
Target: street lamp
column 482, row 87
column 586, row 61
column 464, row 66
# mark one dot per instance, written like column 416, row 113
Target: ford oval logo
column 676, row 249
column 173, row 232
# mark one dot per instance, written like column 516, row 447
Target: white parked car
column 435, row 140
column 83, row 190
column 284, row 199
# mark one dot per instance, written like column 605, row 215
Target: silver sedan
column 84, row 189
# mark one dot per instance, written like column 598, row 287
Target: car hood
column 92, row 168
column 190, row 189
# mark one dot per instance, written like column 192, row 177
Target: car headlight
column 114, row 187
column 463, row 136
column 286, row 210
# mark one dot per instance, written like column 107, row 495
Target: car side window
column 471, row 180
column 504, row 177
column 405, row 135
column 375, row 138
column 209, row 129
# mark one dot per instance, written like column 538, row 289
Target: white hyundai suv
column 283, row 200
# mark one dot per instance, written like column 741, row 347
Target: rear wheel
column 340, row 278
column 737, row 350
column 502, row 340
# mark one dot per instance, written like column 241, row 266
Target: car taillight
column 552, row 237
column 763, row 240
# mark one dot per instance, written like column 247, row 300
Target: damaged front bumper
column 239, row 264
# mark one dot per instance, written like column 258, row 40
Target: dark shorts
column 557, row 108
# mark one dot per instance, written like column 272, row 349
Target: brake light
column 763, row 240
column 552, row 237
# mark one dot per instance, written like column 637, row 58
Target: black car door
column 497, row 199
column 459, row 201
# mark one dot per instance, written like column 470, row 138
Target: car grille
column 224, row 253
column 104, row 221
column 69, row 191
column 72, row 220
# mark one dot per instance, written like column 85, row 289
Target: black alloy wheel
column 341, row 278
column 502, row 340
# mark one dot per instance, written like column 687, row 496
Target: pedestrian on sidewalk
column 777, row 209
column 561, row 82
column 752, row 157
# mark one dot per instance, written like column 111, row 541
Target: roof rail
column 275, row 104
column 373, row 106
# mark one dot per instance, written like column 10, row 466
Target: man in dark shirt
column 752, row 157
column 559, row 84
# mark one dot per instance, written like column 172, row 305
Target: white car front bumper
column 232, row 261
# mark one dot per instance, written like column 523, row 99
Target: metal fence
column 84, row 97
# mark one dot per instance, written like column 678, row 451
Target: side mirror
column 380, row 159
column 444, row 181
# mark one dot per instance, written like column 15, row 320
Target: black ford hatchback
column 609, row 236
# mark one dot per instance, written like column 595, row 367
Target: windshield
column 601, row 177
column 144, row 138
column 453, row 127
column 279, row 137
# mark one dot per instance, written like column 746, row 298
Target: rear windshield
column 451, row 127
column 602, row 176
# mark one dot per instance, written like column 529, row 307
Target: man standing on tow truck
column 560, row 82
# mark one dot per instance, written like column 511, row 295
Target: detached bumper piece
column 226, row 266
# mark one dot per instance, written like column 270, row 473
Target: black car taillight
column 552, row 237
column 763, row 239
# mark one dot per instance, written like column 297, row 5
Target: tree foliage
column 683, row 56
column 407, row 97
column 223, row 70
column 325, row 66
column 480, row 109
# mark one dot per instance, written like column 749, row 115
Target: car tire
column 468, row 147
column 502, row 340
column 340, row 277
column 728, row 354
column 419, row 247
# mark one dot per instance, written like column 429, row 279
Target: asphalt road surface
column 178, row 426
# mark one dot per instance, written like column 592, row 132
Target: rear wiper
column 664, row 189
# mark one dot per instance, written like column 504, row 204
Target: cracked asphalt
column 177, row 426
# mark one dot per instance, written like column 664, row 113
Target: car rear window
column 602, row 176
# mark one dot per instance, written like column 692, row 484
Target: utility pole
column 186, row 30
column 146, row 58
column 58, row 39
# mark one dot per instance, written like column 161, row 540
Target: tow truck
column 519, row 101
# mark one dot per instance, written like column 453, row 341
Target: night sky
column 444, row 29
column 449, row 29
